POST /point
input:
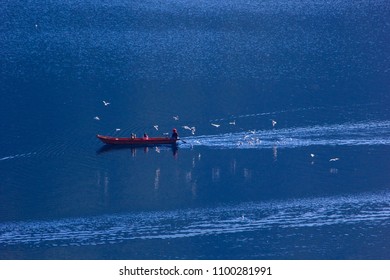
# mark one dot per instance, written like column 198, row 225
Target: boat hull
column 151, row 141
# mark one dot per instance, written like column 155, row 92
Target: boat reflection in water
column 134, row 149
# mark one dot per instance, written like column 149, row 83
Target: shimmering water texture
column 368, row 210
column 282, row 106
column 348, row 134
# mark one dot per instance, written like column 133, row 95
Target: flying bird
column 96, row 118
column 334, row 159
column 233, row 122
column 273, row 123
column 216, row 125
column 106, row 103
column 176, row 118
column 156, row 127
column 193, row 129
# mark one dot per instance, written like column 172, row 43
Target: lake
column 282, row 107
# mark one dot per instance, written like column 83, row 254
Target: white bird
column 96, row 118
column 334, row 159
column 273, row 123
column 156, row 127
column 176, row 118
column 233, row 122
column 193, row 129
column 216, row 125
column 118, row 129
column 106, row 103
column 312, row 155
column 157, row 149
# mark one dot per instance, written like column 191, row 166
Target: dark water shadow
column 145, row 148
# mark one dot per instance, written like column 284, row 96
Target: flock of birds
column 193, row 129
column 176, row 118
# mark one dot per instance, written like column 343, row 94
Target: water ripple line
column 370, row 209
column 24, row 155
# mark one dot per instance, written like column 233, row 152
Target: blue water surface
column 282, row 107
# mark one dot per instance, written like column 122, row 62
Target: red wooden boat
column 150, row 141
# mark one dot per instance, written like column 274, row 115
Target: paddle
column 183, row 141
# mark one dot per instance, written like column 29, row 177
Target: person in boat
column 146, row 136
column 175, row 135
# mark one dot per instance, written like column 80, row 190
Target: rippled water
column 371, row 210
column 249, row 219
column 282, row 107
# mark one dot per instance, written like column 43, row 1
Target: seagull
column 176, row 118
column 273, row 123
column 157, row 149
column 106, row 103
column 193, row 129
column 233, row 122
column 312, row 155
column 334, row 159
column 118, row 129
column 156, row 127
column 216, row 125
column 96, row 118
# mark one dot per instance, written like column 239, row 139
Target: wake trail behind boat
column 347, row 134
column 18, row 156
